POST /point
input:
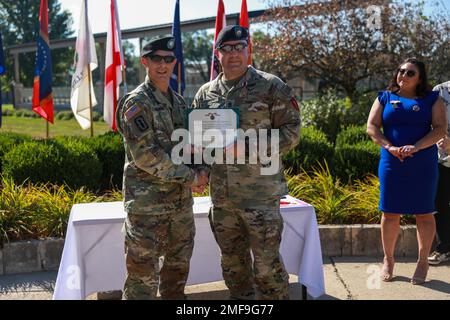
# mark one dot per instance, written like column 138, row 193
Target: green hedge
column 96, row 116
column 111, row 153
column 61, row 161
column 8, row 141
column 64, row 115
column 60, row 115
column 325, row 113
column 25, row 113
column 352, row 135
column 8, row 112
column 98, row 162
column 68, row 115
column 313, row 149
column 331, row 112
column 107, row 150
column 353, row 162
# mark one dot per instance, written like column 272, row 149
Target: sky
column 140, row 13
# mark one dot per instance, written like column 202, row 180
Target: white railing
column 61, row 95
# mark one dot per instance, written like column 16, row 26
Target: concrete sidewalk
column 346, row 278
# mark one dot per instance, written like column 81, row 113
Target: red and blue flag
column 42, row 88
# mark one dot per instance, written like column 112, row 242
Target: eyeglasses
column 230, row 47
column 157, row 58
column 409, row 73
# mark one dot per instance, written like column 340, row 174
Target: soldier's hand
column 199, row 189
column 203, row 178
column 200, row 183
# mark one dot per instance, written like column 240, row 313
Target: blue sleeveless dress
column 407, row 187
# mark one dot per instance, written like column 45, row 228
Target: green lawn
column 37, row 127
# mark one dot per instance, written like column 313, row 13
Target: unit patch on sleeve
column 141, row 123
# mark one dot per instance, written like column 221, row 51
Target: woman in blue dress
column 413, row 120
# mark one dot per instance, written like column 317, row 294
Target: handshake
column 200, row 182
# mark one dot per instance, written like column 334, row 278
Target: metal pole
column 89, row 67
column 90, row 100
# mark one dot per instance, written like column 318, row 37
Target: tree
column 19, row 23
column 133, row 63
column 197, row 52
column 345, row 43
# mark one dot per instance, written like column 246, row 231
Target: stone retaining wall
column 336, row 240
column 31, row 256
column 364, row 240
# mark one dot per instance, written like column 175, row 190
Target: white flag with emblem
column 85, row 56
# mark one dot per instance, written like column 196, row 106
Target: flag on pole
column 2, row 71
column 244, row 22
column 122, row 55
column 177, row 80
column 42, row 88
column 221, row 22
column 82, row 96
column 113, row 68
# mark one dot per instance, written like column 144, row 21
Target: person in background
column 413, row 121
column 442, row 251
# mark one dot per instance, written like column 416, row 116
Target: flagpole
column 122, row 53
column 124, row 79
column 90, row 100
column 91, row 111
column 47, row 134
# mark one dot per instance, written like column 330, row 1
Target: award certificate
column 213, row 128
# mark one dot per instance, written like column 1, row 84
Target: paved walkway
column 346, row 278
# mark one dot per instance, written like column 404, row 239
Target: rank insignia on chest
column 243, row 93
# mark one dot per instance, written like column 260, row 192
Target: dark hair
column 422, row 88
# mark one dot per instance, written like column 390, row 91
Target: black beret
column 231, row 33
column 166, row 43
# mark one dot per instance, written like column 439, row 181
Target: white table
column 93, row 258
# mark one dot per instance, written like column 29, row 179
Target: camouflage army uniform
column 246, row 204
column 157, row 195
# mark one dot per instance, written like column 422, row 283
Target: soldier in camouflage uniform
column 246, row 211
column 157, row 193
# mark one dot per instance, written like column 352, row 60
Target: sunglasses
column 166, row 59
column 409, row 73
column 230, row 47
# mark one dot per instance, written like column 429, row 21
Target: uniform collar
column 215, row 86
column 159, row 96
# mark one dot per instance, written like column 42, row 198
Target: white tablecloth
column 93, row 258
